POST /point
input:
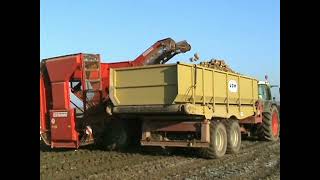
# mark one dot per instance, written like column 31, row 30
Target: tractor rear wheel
column 218, row 141
column 234, row 136
column 270, row 127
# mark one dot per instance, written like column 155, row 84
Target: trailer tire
column 116, row 136
column 270, row 127
column 218, row 141
column 233, row 135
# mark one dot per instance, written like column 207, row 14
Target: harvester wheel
column 116, row 136
column 218, row 141
column 270, row 127
column 234, row 136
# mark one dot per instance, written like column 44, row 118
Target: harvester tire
column 233, row 135
column 270, row 127
column 218, row 141
column 116, row 136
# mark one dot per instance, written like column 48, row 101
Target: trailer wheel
column 218, row 141
column 115, row 136
column 270, row 127
column 234, row 136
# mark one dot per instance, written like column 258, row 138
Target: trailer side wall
column 229, row 94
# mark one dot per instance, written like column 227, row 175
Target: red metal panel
column 257, row 118
column 120, row 64
column 43, row 103
column 60, row 95
column 77, row 75
column 63, row 126
column 105, row 79
column 174, row 126
column 92, row 75
column 61, row 69
column 195, row 144
column 72, row 144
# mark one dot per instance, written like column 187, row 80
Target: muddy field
column 256, row 160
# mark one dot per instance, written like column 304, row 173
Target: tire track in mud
column 219, row 168
column 93, row 163
column 261, row 166
column 160, row 168
column 257, row 164
column 96, row 164
column 146, row 169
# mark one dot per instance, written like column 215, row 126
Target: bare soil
column 256, row 160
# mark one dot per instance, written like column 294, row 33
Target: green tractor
column 269, row 129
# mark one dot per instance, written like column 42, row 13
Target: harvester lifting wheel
column 218, row 141
column 115, row 136
column 233, row 136
column 270, row 127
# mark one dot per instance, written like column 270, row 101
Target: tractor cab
column 265, row 94
column 264, row 90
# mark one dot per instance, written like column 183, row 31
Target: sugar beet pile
column 217, row 64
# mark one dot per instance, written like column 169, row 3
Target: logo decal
column 53, row 121
column 233, row 86
column 60, row 114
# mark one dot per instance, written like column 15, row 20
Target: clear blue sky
column 245, row 33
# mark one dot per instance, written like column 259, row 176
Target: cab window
column 264, row 92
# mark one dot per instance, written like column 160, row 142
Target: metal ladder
column 92, row 85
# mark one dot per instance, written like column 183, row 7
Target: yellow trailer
column 203, row 91
column 186, row 105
